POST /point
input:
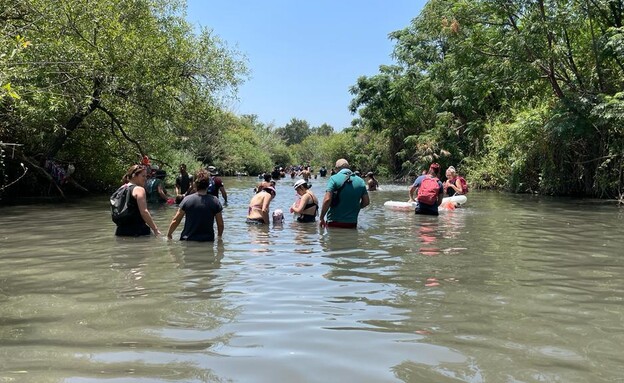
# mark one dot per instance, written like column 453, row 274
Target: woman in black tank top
column 307, row 205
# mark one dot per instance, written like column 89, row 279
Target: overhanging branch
column 119, row 126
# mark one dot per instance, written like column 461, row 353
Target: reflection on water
column 508, row 288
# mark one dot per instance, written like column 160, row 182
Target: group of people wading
column 428, row 191
column 346, row 194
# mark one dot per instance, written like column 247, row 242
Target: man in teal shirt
column 345, row 195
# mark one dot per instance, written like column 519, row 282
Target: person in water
column 155, row 186
column 258, row 210
column 306, row 205
column 454, row 184
column 429, row 190
column 183, row 183
column 323, row 171
column 218, row 185
column 201, row 210
column 140, row 221
column 372, row 182
column 305, row 174
column 345, row 196
column 267, row 182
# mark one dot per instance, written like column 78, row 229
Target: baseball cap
column 342, row 163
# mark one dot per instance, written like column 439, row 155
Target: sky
column 304, row 55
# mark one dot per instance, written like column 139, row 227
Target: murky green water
column 508, row 289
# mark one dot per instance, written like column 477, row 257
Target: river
column 509, row 288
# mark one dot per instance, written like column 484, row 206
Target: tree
column 295, row 131
column 475, row 77
column 323, row 130
column 112, row 78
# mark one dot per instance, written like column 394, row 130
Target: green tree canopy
column 104, row 82
column 295, row 131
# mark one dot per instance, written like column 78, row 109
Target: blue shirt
column 423, row 207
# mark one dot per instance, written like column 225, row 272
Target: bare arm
column 139, row 193
column 412, row 189
column 440, row 198
column 162, row 193
column 177, row 218
column 326, row 203
column 266, row 201
column 219, row 219
column 365, row 201
column 455, row 186
column 302, row 202
column 224, row 194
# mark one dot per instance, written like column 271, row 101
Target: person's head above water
column 300, row 183
column 342, row 164
column 202, row 180
column 434, row 169
column 135, row 174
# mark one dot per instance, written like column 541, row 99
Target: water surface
column 507, row 289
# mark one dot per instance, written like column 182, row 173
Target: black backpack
column 336, row 193
column 119, row 201
column 211, row 187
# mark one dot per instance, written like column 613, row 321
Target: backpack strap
column 129, row 193
column 344, row 183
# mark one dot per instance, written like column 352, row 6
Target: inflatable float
column 455, row 200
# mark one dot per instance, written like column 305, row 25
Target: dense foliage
column 523, row 95
column 520, row 95
column 99, row 84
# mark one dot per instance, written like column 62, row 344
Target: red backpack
column 463, row 184
column 428, row 191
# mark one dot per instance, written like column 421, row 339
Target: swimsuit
column 253, row 207
column 308, row 217
column 255, row 221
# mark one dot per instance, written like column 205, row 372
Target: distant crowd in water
column 197, row 196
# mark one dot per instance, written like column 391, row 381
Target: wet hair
column 202, row 180
column 132, row 172
column 267, row 177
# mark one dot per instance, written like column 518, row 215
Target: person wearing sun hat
column 218, row 184
column 430, row 191
column 307, row 203
column 258, row 210
column 345, row 196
